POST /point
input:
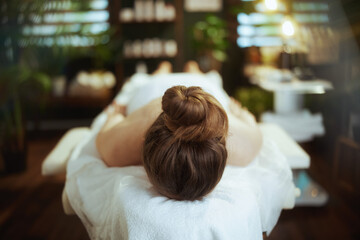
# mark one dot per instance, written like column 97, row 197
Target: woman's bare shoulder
column 121, row 143
column 244, row 142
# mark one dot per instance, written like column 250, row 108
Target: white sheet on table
column 120, row 203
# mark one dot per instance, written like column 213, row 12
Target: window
column 261, row 26
column 61, row 22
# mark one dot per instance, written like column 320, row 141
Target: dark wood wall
column 341, row 146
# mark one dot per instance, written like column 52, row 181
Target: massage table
column 56, row 161
column 252, row 197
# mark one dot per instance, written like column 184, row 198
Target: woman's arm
column 120, row 140
column 244, row 139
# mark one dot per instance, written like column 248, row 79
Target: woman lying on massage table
column 184, row 139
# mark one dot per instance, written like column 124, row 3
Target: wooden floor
column 30, row 208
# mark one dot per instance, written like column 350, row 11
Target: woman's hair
column 184, row 151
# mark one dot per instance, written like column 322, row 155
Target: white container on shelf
column 170, row 48
column 137, row 48
column 169, row 12
column 147, row 50
column 149, row 10
column 151, row 50
column 127, row 15
column 157, row 47
column 159, row 10
column 139, row 10
column 141, row 67
column 128, row 49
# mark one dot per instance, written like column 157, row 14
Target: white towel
column 120, row 203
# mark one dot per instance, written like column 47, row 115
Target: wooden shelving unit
column 132, row 30
column 67, row 108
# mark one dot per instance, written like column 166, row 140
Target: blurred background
column 295, row 63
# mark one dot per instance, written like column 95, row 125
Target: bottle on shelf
column 141, row 67
column 137, row 48
column 170, row 48
column 148, row 11
column 127, row 15
column 150, row 48
column 139, row 10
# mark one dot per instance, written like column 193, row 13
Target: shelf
column 147, row 22
column 154, row 25
column 146, row 58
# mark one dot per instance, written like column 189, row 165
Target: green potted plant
column 21, row 84
column 20, row 87
column 210, row 42
column 255, row 99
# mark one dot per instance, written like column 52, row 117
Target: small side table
column 289, row 113
column 299, row 125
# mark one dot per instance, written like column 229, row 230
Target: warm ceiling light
column 288, row 28
column 271, row 4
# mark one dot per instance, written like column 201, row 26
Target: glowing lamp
column 271, row 4
column 288, row 28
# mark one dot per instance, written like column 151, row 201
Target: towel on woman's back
column 120, row 203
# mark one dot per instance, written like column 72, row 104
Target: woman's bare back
column 121, row 139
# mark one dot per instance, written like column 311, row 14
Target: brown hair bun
column 192, row 114
column 184, row 152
